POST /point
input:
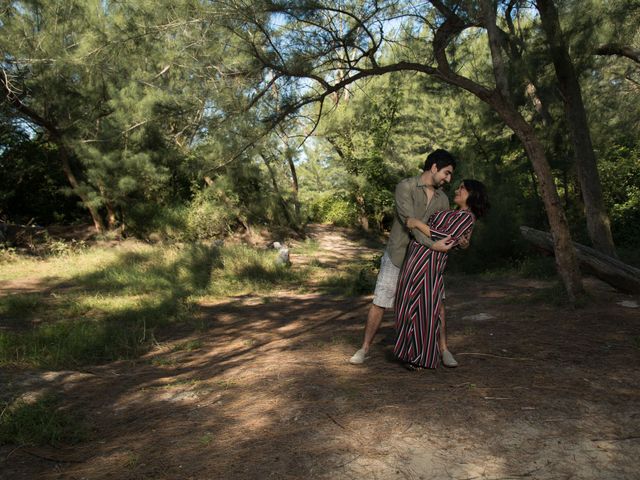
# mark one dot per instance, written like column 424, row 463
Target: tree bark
column 55, row 135
column 73, row 181
column 598, row 223
column 565, row 254
column 362, row 215
column 502, row 103
column 619, row 50
column 274, row 182
column 617, row 274
column 294, row 185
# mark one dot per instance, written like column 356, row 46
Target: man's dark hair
column 441, row 158
column 478, row 200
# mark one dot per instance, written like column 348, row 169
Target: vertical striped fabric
column 420, row 289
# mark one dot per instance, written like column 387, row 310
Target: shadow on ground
column 542, row 392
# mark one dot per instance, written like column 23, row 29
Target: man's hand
column 443, row 245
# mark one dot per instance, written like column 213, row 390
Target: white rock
column 628, row 304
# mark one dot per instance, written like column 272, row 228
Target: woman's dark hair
column 478, row 200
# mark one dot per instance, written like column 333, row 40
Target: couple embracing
column 411, row 270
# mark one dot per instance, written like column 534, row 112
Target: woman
column 421, row 285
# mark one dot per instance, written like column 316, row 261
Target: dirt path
column 542, row 392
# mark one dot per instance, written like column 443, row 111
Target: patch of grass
column 470, row 331
column 41, row 422
column 188, row 346
column 243, row 270
column 20, row 306
column 308, row 247
column 206, row 439
column 543, row 268
column 109, row 304
column 132, row 460
column 115, row 313
column 8, row 255
column 164, row 362
column 176, row 384
column 356, row 280
column 75, row 343
column 64, row 267
column 227, row 384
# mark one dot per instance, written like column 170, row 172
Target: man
column 416, row 197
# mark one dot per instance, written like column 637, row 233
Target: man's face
column 442, row 176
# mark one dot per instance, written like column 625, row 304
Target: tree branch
column 619, row 50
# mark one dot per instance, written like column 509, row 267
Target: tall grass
column 241, row 269
column 40, row 422
column 101, row 305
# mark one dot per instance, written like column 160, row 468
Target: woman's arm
column 420, row 225
column 461, row 229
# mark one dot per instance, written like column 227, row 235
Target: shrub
column 209, row 214
column 329, row 208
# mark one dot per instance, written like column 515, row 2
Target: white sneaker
column 448, row 360
column 359, row 357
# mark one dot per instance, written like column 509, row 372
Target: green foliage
column 620, row 173
column 24, row 164
column 210, row 214
column 329, row 208
column 149, row 103
column 40, row 422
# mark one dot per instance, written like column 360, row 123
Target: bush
column 329, row 208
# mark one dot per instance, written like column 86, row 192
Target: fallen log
column 616, row 273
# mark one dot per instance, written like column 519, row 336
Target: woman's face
column 461, row 196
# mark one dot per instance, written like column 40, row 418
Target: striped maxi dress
column 420, row 290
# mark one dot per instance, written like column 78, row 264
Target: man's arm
column 404, row 210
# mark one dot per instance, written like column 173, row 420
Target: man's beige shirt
column 411, row 201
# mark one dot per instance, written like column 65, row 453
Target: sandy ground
column 542, row 392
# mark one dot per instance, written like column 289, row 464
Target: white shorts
column 386, row 283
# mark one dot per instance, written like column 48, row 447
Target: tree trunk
column 617, row 274
column 566, row 260
column 274, row 182
column 362, row 215
column 598, row 223
column 66, row 167
column 111, row 211
column 294, row 185
column 500, row 100
column 56, row 137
